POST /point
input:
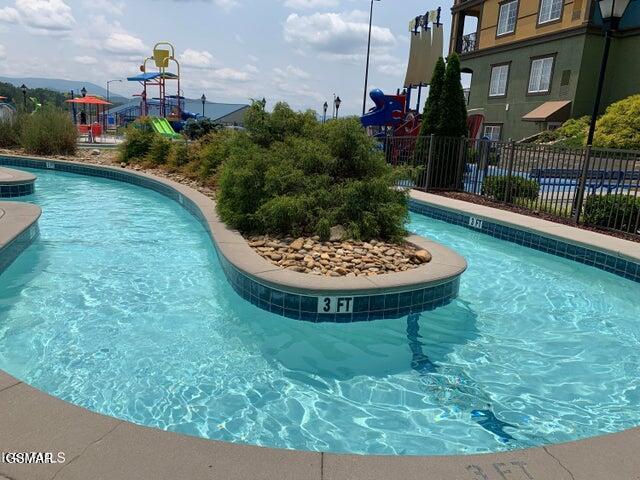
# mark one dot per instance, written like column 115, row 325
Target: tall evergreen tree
column 453, row 119
column 432, row 112
column 433, row 106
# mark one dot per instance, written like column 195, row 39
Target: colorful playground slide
column 163, row 127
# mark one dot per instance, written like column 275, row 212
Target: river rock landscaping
column 339, row 258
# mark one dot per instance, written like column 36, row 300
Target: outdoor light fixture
column 325, row 107
column 83, row 92
column 337, row 102
column 611, row 11
column 366, row 73
column 109, row 82
column 203, row 99
column 24, row 95
column 264, row 102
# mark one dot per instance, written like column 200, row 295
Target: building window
column 507, row 17
column 540, row 77
column 492, row 132
column 499, row 76
column 550, row 10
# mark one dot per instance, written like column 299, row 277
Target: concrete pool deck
column 97, row 447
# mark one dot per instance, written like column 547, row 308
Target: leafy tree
column 42, row 95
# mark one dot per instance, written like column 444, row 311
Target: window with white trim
column 550, row 10
column 507, row 18
column 540, row 77
column 499, row 76
column 492, row 132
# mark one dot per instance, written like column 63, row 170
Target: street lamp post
column 109, row 82
column 24, row 96
column 203, row 99
column 337, row 103
column 325, row 107
column 104, row 114
column 83, row 92
column 366, row 74
column 612, row 11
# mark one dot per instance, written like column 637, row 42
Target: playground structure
column 88, row 119
column 393, row 115
column 166, row 110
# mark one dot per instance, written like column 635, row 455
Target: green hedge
column 519, row 187
column 290, row 175
column 612, row 211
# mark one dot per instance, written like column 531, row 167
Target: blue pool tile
column 391, row 301
column 360, row 304
column 308, row 304
column 376, row 303
column 292, row 301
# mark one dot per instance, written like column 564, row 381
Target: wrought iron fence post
column 459, row 185
column 579, row 197
column 427, row 175
column 507, row 192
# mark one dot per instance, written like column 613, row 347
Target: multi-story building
column 535, row 63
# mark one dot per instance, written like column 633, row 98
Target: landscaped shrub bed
column 505, row 188
column 288, row 174
column 48, row 131
column 613, row 211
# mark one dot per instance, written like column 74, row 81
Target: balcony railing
column 469, row 43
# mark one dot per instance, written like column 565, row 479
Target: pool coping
column 577, row 236
column 101, row 447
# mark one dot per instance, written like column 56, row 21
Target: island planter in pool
column 292, row 294
column 14, row 183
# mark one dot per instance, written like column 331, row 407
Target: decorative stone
column 297, row 244
column 422, row 256
column 338, row 233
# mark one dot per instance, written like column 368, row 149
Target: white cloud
column 9, row 15
column 309, row 4
column 340, row 36
column 105, row 6
column 125, row 44
column 3, row 52
column 85, row 60
column 196, row 59
column 40, row 16
column 290, row 72
column 227, row 5
column 234, row 75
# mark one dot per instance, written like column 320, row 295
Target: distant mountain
column 64, row 86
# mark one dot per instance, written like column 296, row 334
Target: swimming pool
column 121, row 307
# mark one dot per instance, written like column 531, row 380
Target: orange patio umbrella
column 90, row 100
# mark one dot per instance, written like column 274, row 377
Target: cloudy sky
column 301, row 51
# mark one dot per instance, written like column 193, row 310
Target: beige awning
column 557, row 111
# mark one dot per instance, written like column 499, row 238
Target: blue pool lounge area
column 465, row 339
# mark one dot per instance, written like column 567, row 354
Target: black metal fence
column 599, row 187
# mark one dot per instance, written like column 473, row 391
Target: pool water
column 121, row 307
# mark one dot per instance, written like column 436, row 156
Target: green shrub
column 159, row 150
column 212, row 150
column 10, row 129
column 519, row 187
column 612, row 211
column 196, row 129
column 619, row 127
column 179, row 155
column 138, row 140
column 289, row 175
column 49, row 131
